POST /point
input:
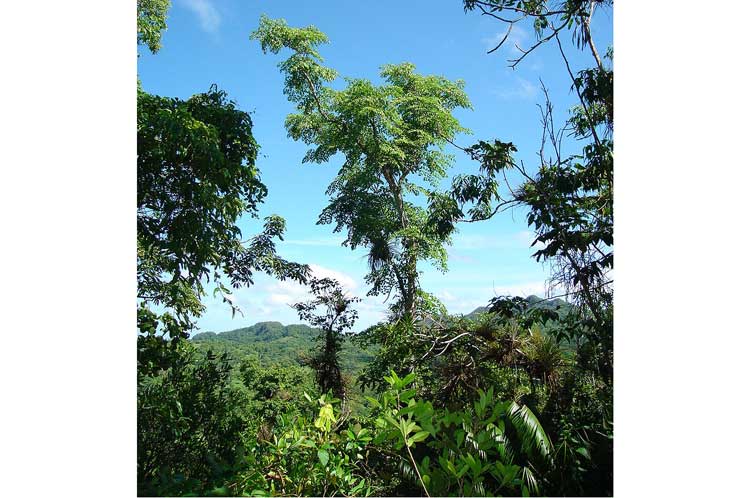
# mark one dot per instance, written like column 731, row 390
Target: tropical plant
column 307, row 456
column 486, row 448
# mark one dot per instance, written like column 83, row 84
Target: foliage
column 392, row 138
column 307, row 456
column 196, row 176
column 189, row 422
column 568, row 384
column 335, row 318
column 528, row 421
column 274, row 389
column 488, row 447
column 152, row 22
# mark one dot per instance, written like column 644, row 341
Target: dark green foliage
column 189, row 420
column 274, row 389
column 196, row 177
column 486, row 448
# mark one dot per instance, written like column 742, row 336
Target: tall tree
column 392, row 138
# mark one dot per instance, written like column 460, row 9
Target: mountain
column 535, row 302
column 276, row 343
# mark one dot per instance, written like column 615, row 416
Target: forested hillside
column 274, row 343
column 515, row 398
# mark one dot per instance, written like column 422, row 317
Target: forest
column 513, row 399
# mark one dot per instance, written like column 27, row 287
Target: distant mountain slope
column 274, row 342
column 534, row 301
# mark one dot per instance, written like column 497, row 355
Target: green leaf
column 323, row 456
column 419, row 436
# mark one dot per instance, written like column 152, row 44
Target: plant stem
column 415, row 466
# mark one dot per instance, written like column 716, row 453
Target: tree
column 196, row 177
column 571, row 197
column 335, row 318
column 392, row 139
column 570, row 201
column 152, row 22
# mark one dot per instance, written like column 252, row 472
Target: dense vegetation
column 514, row 399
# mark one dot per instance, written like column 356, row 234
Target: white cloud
column 521, row 89
column 280, row 295
column 518, row 240
column 460, row 258
column 346, row 281
column 206, row 12
column 288, row 292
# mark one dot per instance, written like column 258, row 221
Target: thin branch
column 527, row 52
column 489, row 216
column 579, row 94
column 491, row 13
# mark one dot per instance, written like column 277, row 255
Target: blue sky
column 207, row 42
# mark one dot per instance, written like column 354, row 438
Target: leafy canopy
column 196, row 177
column 392, row 138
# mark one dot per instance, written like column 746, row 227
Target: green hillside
column 275, row 343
